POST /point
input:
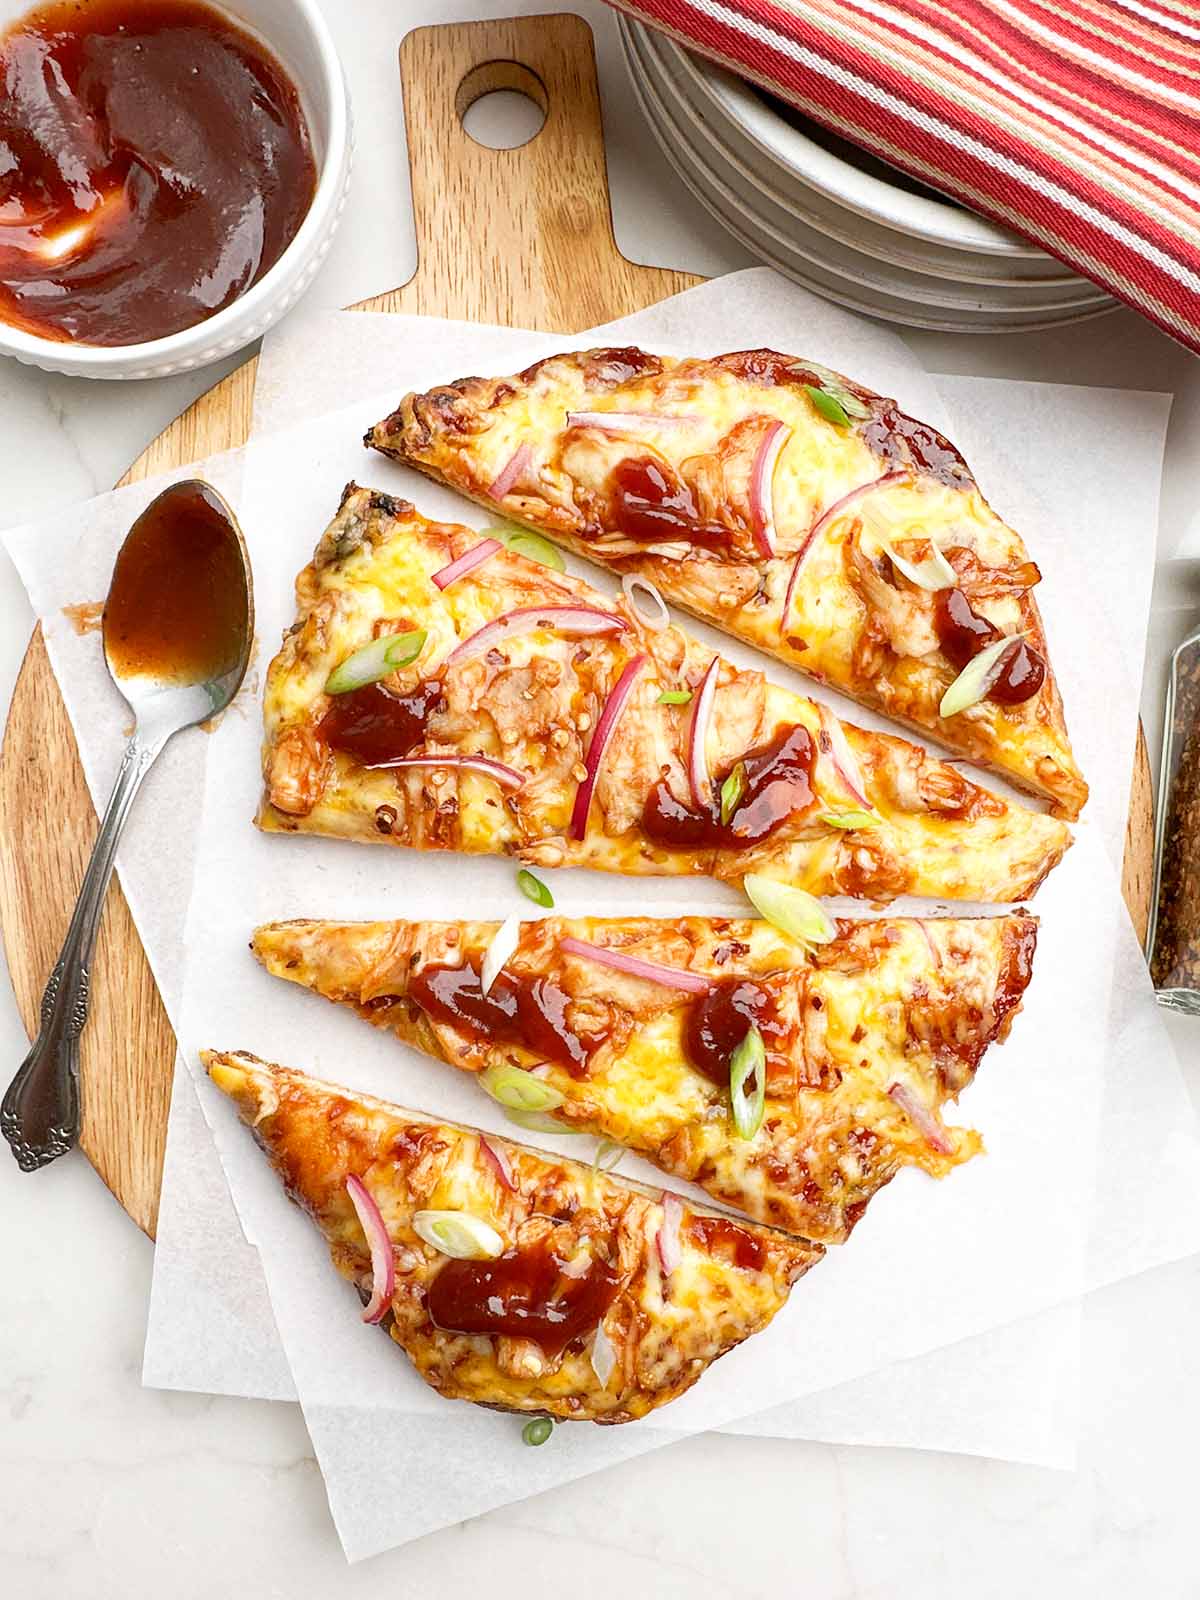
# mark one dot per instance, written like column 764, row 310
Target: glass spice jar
column 1173, row 941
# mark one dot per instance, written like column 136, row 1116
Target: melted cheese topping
column 535, row 705
column 887, row 1003
column 688, row 415
column 665, row 1331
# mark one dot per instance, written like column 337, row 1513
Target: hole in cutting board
column 502, row 105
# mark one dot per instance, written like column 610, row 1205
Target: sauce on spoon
column 176, row 610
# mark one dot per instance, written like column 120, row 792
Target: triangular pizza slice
column 440, row 691
column 510, row 1278
column 791, row 1083
column 786, row 504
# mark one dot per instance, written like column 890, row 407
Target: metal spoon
column 178, row 626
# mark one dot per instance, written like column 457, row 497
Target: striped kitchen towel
column 1074, row 122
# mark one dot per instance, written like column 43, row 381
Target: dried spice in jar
column 1174, row 943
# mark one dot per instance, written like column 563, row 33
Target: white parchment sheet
column 920, row 1272
column 70, row 562
column 1006, row 1393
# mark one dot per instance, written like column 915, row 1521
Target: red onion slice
column 921, row 1118
column 603, row 1356
column 383, row 1261
column 697, row 758
column 634, row 588
column 474, row 557
column 498, row 1160
column 934, row 953
column 502, row 945
column 506, row 777
column 843, row 759
column 670, row 1248
column 605, row 729
column 762, row 509
column 620, row 961
column 574, row 622
column 828, row 516
column 510, row 472
column 638, row 423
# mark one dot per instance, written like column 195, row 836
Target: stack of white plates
column 833, row 217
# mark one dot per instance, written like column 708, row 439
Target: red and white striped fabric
column 1074, row 122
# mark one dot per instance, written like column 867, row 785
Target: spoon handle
column 39, row 1115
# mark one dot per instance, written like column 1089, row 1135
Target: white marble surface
column 107, row 1489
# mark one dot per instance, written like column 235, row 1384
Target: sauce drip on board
column 650, row 503
column 154, row 163
column 523, row 1294
column 778, row 784
column 517, row 1009
column 963, row 633
column 374, row 726
column 178, row 607
column 718, row 1021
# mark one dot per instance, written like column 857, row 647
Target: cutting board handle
column 522, row 237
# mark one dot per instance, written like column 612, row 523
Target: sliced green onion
column 748, row 1060
column 932, row 572
column 852, row 405
column 459, row 1234
column 538, row 1430
column 518, row 1090
column 850, row 819
column 608, row 1157
column 524, row 542
column 831, row 384
column 794, row 912
column 538, row 1121
column 534, row 889
column 675, row 697
column 375, row 661
column 732, row 791
column 976, row 678
column 829, row 406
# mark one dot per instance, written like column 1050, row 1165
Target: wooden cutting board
column 520, row 237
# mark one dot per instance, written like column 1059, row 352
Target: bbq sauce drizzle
column 518, row 1009
column 778, row 785
column 963, row 633
column 375, row 727
column 523, row 1294
column 652, row 504
column 717, row 1022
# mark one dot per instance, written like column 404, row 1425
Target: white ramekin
column 297, row 35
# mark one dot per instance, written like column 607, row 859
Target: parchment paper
column 1137, row 436
column 1026, row 1375
column 1005, row 1394
column 919, row 1274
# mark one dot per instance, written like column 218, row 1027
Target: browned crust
column 315, row 1135
column 946, row 1024
column 460, row 408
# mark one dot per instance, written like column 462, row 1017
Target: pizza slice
column 442, row 692
column 789, row 506
column 790, row 1082
column 507, row 1277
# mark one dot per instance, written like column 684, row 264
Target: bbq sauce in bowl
column 154, row 163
